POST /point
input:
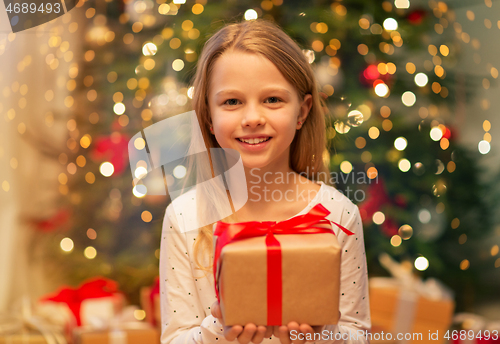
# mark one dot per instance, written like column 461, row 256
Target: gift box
column 270, row 273
column 96, row 300
column 150, row 303
column 22, row 325
column 404, row 305
column 140, row 335
column 395, row 309
column 23, row 339
column 469, row 328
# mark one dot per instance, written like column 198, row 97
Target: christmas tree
column 387, row 74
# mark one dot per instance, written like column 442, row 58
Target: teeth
column 254, row 141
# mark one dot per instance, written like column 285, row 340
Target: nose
column 253, row 116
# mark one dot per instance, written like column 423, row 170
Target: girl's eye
column 231, row 101
column 276, row 99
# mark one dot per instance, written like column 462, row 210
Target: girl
column 255, row 92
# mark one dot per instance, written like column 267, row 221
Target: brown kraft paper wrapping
column 310, row 275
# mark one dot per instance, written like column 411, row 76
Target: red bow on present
column 97, row 288
column 309, row 223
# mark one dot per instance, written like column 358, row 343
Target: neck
column 268, row 185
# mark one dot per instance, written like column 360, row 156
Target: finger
column 284, row 335
column 248, row 332
column 305, row 328
column 259, row 334
column 295, row 332
column 231, row 332
column 308, row 332
column 318, row 328
column 269, row 331
column 276, row 331
column 216, row 312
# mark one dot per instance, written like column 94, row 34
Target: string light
column 424, row 216
column 403, row 4
column 390, row 24
column 484, row 147
column 90, row 252
column 346, row 167
column 107, row 169
column 250, row 14
column 436, row 134
column 378, row 217
column 119, row 108
column 421, row 79
column 421, row 263
column 396, row 240
column 405, row 232
column 67, row 245
column 404, row 165
column 400, row 143
column 139, row 191
column 381, row 89
column 408, row 98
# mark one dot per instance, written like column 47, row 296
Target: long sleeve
column 354, row 305
column 182, row 314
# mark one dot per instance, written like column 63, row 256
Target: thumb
column 216, row 312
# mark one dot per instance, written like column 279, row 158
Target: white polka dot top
column 186, row 294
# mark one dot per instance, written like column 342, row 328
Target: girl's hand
column 299, row 331
column 245, row 334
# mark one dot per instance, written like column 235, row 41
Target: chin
column 255, row 164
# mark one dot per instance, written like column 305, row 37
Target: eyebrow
column 268, row 89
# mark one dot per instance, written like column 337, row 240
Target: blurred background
column 411, row 89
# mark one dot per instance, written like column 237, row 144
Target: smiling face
column 250, row 100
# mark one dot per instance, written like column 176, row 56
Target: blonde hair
column 306, row 150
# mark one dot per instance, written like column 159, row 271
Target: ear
column 305, row 108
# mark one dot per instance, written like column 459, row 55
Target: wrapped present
column 95, row 300
column 271, row 273
column 24, row 326
column 143, row 334
column 405, row 306
column 124, row 328
column 26, row 338
column 150, row 303
column 469, row 328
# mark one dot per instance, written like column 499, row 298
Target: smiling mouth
column 254, row 141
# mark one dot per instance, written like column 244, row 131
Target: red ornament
column 371, row 76
column 389, row 227
column 114, row 149
column 378, row 198
column 401, row 200
column 371, row 72
column 58, row 220
column 450, row 133
column 416, row 17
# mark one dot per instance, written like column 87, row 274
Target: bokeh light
column 421, row 263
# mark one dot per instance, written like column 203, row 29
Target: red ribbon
column 96, row 288
column 155, row 290
column 303, row 224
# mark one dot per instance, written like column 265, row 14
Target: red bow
column 309, row 223
column 99, row 287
